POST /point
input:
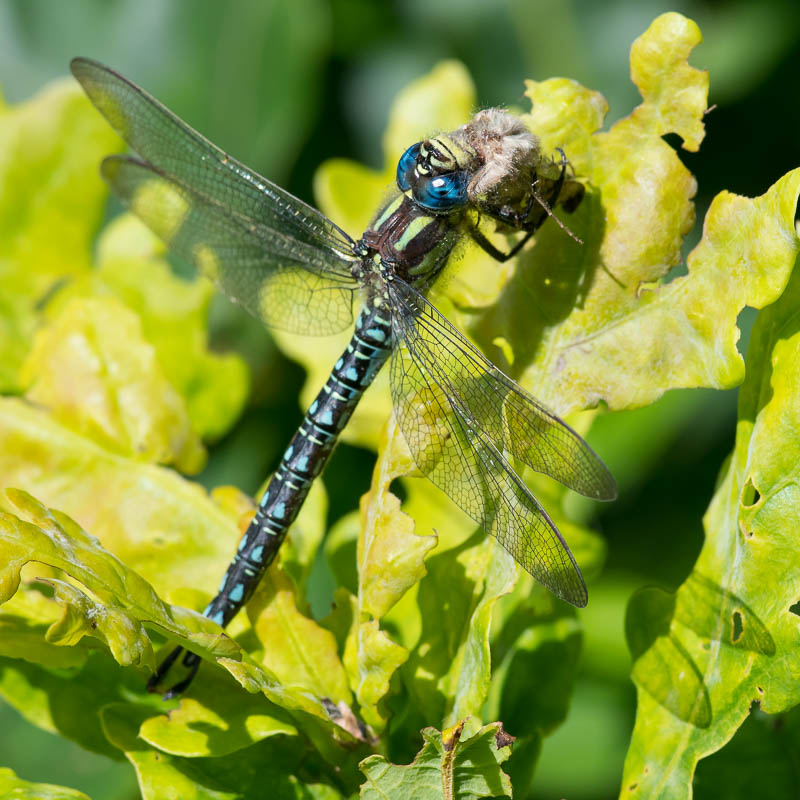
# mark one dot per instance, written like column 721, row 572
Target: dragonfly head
column 491, row 163
column 434, row 174
column 479, row 159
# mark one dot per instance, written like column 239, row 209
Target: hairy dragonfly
column 290, row 266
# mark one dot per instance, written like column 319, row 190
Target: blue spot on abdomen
column 237, row 593
column 376, row 333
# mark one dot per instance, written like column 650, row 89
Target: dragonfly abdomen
column 303, row 461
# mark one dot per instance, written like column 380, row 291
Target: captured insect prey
column 296, row 270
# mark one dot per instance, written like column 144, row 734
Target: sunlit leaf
column 92, row 368
column 727, row 639
column 214, row 720
column 447, row 766
column 245, row 775
column 143, row 513
column 24, row 621
column 297, row 650
column 390, row 559
column 173, row 312
column 47, row 536
column 51, row 199
column 16, row 788
column 632, row 336
column 127, row 602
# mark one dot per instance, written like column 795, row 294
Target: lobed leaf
column 41, row 534
column 390, row 560
column 607, row 326
column 448, row 766
column 214, row 720
column 51, row 202
column 242, row 775
column 92, row 368
column 174, row 319
column 297, row 650
column 126, row 602
column 727, row 639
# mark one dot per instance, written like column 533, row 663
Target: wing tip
column 607, row 489
column 576, row 595
column 81, row 67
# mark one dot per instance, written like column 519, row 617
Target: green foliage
column 450, row 765
column 724, row 641
column 103, row 545
column 13, row 787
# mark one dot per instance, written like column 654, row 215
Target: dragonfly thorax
column 408, row 241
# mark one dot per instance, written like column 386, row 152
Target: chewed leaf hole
column 738, row 626
column 795, row 608
column 750, row 495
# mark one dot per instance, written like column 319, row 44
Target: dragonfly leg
column 519, row 220
column 190, row 660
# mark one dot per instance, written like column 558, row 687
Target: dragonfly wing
column 177, row 150
column 458, row 456
column 264, row 270
column 294, row 236
column 512, row 420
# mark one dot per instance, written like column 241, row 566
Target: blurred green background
column 286, row 84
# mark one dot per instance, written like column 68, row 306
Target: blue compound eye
column 405, row 167
column 442, row 192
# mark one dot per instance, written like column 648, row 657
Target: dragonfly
column 464, row 421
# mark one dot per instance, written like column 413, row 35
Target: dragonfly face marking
column 462, row 418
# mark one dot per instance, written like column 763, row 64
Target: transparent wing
column 513, row 420
column 258, row 268
column 221, row 215
column 460, row 416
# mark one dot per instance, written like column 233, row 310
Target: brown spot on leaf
column 503, row 738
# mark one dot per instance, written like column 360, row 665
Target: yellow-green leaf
column 126, row 602
column 212, row 720
column 266, row 767
column 448, row 766
column 50, row 205
column 727, row 639
column 93, row 369
column 143, row 513
column 15, row 788
column 297, row 650
column 174, row 315
column 36, row 533
column 390, row 558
